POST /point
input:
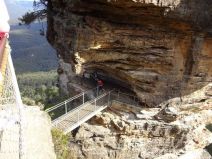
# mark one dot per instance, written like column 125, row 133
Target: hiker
column 95, row 76
column 100, row 85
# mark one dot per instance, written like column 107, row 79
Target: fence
column 87, row 97
column 7, row 95
column 11, row 138
column 82, row 113
column 71, row 113
column 71, row 103
column 125, row 98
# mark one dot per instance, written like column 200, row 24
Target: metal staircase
column 71, row 113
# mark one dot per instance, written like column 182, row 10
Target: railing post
column 97, row 92
column 118, row 94
column 95, row 104
column 83, row 100
column 78, row 116
column 66, row 110
column 108, row 98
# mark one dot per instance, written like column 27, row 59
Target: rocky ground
column 179, row 129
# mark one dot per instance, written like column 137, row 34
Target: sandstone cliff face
column 161, row 48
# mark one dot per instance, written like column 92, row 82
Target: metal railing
column 84, row 97
column 126, row 98
column 82, row 113
column 71, row 103
column 69, row 115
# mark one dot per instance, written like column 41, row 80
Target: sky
column 17, row 8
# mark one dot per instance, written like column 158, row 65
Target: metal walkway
column 71, row 113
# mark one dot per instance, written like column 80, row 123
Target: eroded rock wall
column 161, row 48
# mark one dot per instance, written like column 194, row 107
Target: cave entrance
column 123, row 91
column 110, row 82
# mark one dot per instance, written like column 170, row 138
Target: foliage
column 39, row 13
column 28, row 18
column 60, row 144
column 29, row 101
column 40, row 88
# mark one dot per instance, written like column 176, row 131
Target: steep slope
column 31, row 51
column 161, row 48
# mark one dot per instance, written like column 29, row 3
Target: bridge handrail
column 67, row 100
column 62, row 103
column 119, row 94
column 64, row 116
column 127, row 94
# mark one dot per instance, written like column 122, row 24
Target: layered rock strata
column 160, row 48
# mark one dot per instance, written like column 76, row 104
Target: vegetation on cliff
column 60, row 143
column 39, row 13
column 39, row 88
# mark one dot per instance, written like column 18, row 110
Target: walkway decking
column 76, row 117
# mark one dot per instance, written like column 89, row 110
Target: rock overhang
column 156, row 47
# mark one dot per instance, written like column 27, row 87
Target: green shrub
column 28, row 101
column 60, row 144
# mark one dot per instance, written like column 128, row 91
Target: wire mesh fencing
column 8, row 93
column 10, row 127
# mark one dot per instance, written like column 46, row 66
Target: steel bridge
column 71, row 113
